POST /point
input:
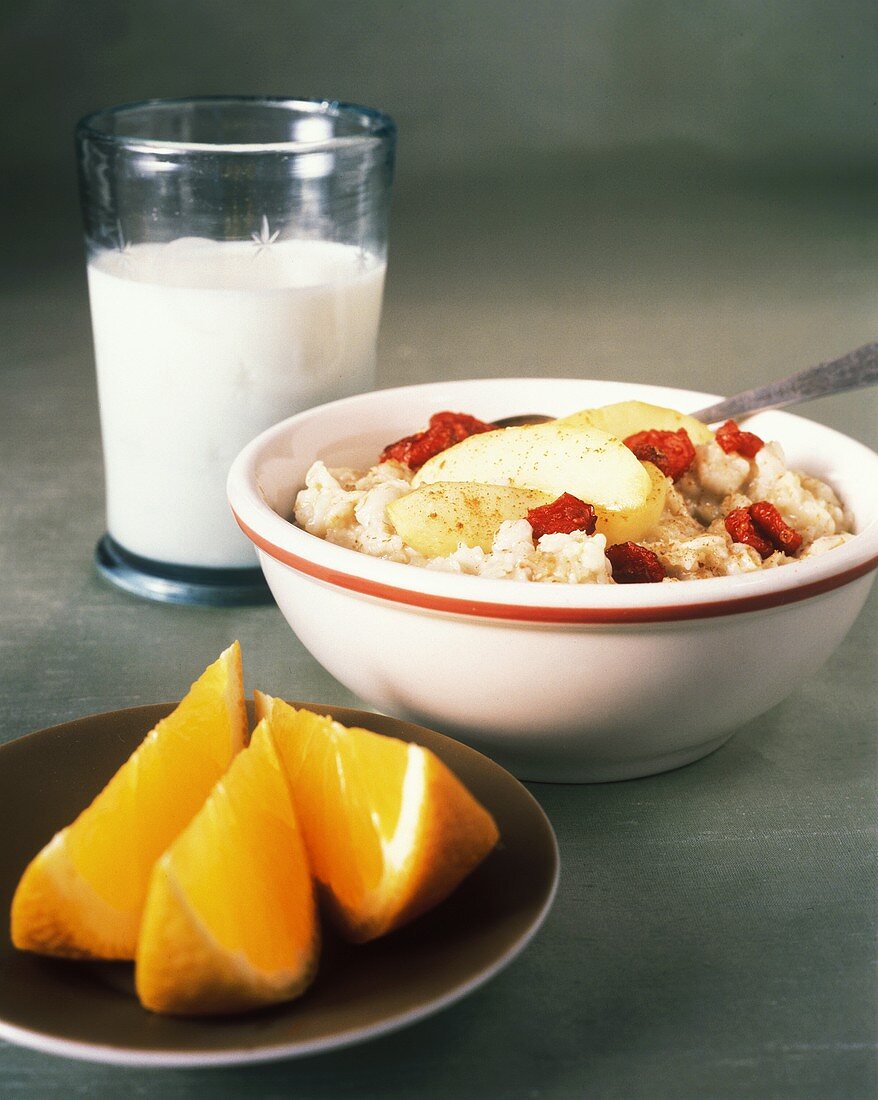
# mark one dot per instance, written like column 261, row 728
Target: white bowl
column 568, row 683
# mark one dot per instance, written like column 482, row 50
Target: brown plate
column 88, row 1010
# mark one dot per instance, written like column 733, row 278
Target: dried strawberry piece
column 446, row 429
column 739, row 524
column 672, row 452
column 770, row 523
column 461, row 423
column 634, row 564
column 567, row 513
column 415, row 450
column 732, row 439
column 763, row 527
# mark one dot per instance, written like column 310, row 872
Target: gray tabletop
column 714, row 931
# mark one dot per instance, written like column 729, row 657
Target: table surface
column 714, row 931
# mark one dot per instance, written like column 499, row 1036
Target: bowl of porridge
column 605, row 596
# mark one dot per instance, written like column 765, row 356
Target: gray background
column 671, row 192
column 782, row 86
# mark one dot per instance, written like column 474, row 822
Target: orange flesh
column 348, row 791
column 157, row 792
column 260, row 870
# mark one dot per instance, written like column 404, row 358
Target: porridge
column 723, row 505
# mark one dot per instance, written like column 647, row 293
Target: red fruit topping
column 672, row 452
column 567, row 513
column 739, row 524
column 731, row 438
column 771, row 523
column 446, row 429
column 634, row 564
column 762, row 527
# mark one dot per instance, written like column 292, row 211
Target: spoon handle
column 852, row 371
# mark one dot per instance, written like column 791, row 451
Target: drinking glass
column 236, row 250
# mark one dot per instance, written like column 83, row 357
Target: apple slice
column 555, row 458
column 627, row 417
column 632, row 524
column 436, row 518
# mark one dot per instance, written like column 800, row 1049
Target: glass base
column 166, row 583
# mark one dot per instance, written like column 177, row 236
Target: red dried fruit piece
column 762, row 526
column 732, row 439
column 770, row 523
column 462, row 423
column 567, row 513
column 634, row 564
column 672, row 452
column 446, row 429
column 739, row 524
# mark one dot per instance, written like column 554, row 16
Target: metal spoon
column 851, row 372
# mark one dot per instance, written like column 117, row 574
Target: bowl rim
column 489, row 598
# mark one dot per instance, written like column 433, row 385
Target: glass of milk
column 236, row 253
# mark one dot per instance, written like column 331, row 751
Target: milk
column 200, row 345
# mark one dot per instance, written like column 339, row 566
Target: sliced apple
column 629, row 525
column 555, row 458
column 436, row 518
column 627, row 417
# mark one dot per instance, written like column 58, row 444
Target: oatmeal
column 727, row 512
column 349, row 508
column 691, row 539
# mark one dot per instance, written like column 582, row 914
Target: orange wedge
column 390, row 831
column 230, row 921
column 82, row 896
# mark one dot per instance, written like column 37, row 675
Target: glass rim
column 379, row 126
